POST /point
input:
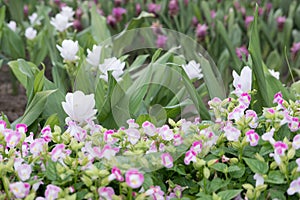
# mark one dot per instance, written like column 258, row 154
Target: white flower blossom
column 67, row 12
column 34, row 19
column 60, row 22
column 193, row 70
column 79, row 107
column 68, row 50
column 93, row 56
column 114, row 65
column 242, row 83
column 12, row 25
column 274, row 73
column 30, row 33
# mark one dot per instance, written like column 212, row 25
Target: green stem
column 5, row 187
column 129, row 197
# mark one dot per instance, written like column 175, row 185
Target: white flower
column 193, row 70
column 67, row 12
column 30, row 33
column 259, row 179
column 12, row 25
column 68, row 50
column 79, row 106
column 274, row 73
column 114, row 65
column 60, row 22
column 34, row 19
column 243, row 82
column 93, row 56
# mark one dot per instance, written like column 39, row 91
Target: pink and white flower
column 252, row 137
column 24, row 171
column 2, row 125
column 237, row 112
column 190, row 156
column 167, row 160
column 178, row 140
column 294, row 124
column 296, row 142
column 108, row 137
column 294, row 187
column 22, row 128
column 58, row 152
column 106, row 193
column 245, row 99
column 19, row 189
column 242, row 83
column 197, row 146
column 133, row 135
column 155, row 192
column 52, row 192
column 149, row 128
column 36, row 147
column 166, row 133
column 134, row 178
column 231, row 133
column 115, row 174
column 268, row 136
column 13, row 138
column 298, row 164
column 108, row 152
column 46, row 133
column 280, row 148
column 259, row 179
column 252, row 114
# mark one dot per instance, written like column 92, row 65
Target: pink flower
column 19, row 189
column 294, row 49
column 167, row 160
column 197, row 146
column 22, row 128
column 154, row 8
column 231, row 133
column 161, row 147
column 155, row 192
column 252, row 137
column 294, row 124
column 46, row 133
column 12, row 139
column 111, row 20
column 173, row 7
column 118, row 12
column 248, row 20
column 245, row 99
column 108, row 152
column 166, row 133
column 108, row 137
column 237, row 112
column 76, row 131
column 152, row 148
column 201, row 31
column 252, row 114
column 280, row 148
column 24, row 171
column 58, row 152
column 161, row 41
column 115, row 174
column 296, row 142
column 138, row 9
column 190, row 156
column 268, row 136
column 106, row 193
column 178, row 140
column 242, row 83
column 294, row 187
column 134, row 178
column 131, row 123
column 2, row 125
column 36, row 147
column 298, row 164
column 240, row 51
column 280, row 22
column 133, row 135
column 149, row 128
column 52, row 192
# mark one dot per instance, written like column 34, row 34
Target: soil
column 12, row 103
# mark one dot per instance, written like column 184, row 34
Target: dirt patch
column 12, row 103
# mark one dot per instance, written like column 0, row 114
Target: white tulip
column 243, row 82
column 114, row 65
column 60, row 22
column 68, row 50
column 274, row 73
column 93, row 56
column 79, row 107
column 30, row 33
column 34, row 19
column 67, row 12
column 193, row 70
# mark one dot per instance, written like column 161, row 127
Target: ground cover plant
column 152, row 100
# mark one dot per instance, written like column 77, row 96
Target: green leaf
column 234, row 173
column 275, row 177
column 139, row 61
column 277, row 194
column 257, row 166
column 217, row 184
column 99, row 28
column 180, row 169
column 51, row 172
column 274, row 60
column 255, row 51
column 12, row 44
column 229, row 194
column 52, row 121
column 36, row 107
column 147, row 181
column 39, row 81
column 221, row 167
column 16, row 10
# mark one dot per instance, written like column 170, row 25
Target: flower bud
column 211, row 162
column 259, row 157
column 199, row 163
column 60, row 169
column 250, row 194
column 261, row 188
column 206, row 172
column 234, row 160
column 216, row 197
column 273, row 165
column 86, row 180
column 103, row 173
column 291, row 153
column 141, row 197
column 105, row 181
column 248, row 186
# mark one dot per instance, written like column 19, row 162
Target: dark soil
column 12, row 103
